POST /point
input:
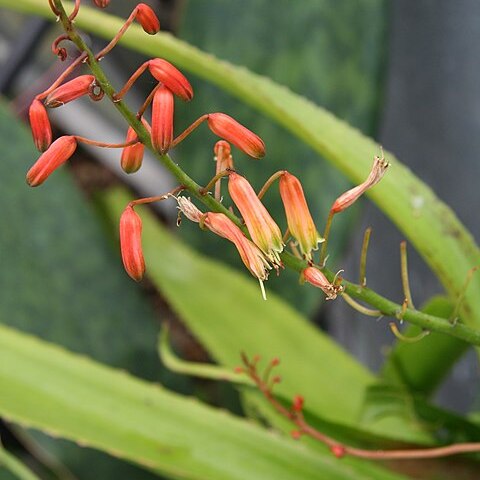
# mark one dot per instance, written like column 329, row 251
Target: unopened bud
column 57, row 154
column 162, row 119
column 101, row 3
column 147, row 19
column 70, row 91
column 297, row 404
column 40, row 125
column 338, row 450
column 223, row 156
column 296, row 434
column 171, row 77
column 132, row 156
column 131, row 243
column 229, row 129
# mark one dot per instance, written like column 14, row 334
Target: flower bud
column 316, row 278
column 132, row 156
column 101, row 3
column 40, row 125
column 147, row 19
column 229, row 129
column 162, row 119
column 223, row 156
column 57, row 154
column 69, row 91
column 377, row 172
column 171, row 77
column 131, row 243
column 262, row 228
column 299, row 219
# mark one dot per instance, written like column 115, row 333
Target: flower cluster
column 256, row 235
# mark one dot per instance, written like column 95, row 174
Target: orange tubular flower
column 379, row 168
column 228, row 128
column 250, row 254
column 57, row 154
column 40, row 125
column 132, row 156
column 131, row 243
column 300, row 222
column 162, row 119
column 69, row 91
column 316, row 278
column 147, row 19
column 262, row 228
column 171, row 77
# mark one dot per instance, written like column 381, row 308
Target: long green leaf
column 431, row 225
column 225, row 310
column 46, row 387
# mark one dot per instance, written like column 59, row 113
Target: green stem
column 386, row 306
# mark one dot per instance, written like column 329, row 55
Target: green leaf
column 14, row 466
column 420, row 367
column 46, row 387
column 337, row 67
column 225, row 310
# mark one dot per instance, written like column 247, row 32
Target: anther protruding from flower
column 40, row 125
column 162, row 119
column 338, row 450
column 297, row 404
column 262, row 228
column 299, row 219
column 229, row 129
column 69, row 91
column 101, row 3
column 147, row 19
column 131, row 243
column 171, row 77
column 251, row 255
column 132, row 156
column 316, row 278
column 57, row 154
column 379, row 168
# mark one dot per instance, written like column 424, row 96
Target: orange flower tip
column 57, row 154
column 338, row 450
column 316, row 278
column 162, row 119
column 70, row 91
column 132, row 156
column 147, row 19
column 234, row 132
column 171, row 77
column 101, row 3
column 275, row 362
column 297, row 404
column 296, row 434
column 131, row 243
column 222, row 147
column 238, row 370
column 40, row 125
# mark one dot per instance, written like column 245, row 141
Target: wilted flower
column 299, row 219
column 57, row 154
column 316, row 278
column 262, row 228
column 379, row 168
column 229, row 129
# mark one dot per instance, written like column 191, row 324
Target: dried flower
column 228, row 128
column 379, row 168
column 262, row 228
column 299, row 219
column 69, row 91
column 189, row 209
column 162, row 119
column 57, row 154
column 131, row 243
column 147, row 19
column 40, row 125
column 316, row 278
column 171, row 77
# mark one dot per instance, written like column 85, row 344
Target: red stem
column 106, row 145
column 189, row 130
